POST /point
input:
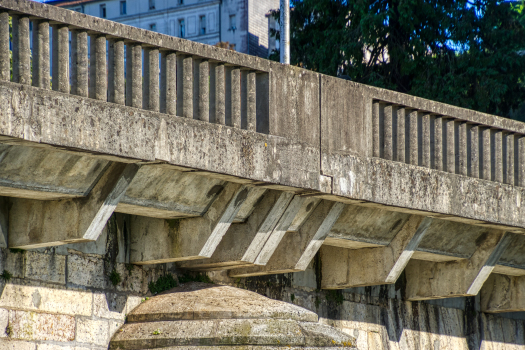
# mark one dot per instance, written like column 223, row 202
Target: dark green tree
column 464, row 52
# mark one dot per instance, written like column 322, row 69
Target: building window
column 103, row 10
column 203, row 25
column 123, row 9
column 78, row 9
column 182, row 28
column 180, row 2
column 233, row 23
column 153, row 27
column 152, row 4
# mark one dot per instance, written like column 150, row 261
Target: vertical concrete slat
column 41, row 59
column 184, row 86
column 60, row 79
column 473, row 150
column 98, row 85
column 235, row 92
column 116, row 77
column 201, row 88
column 251, row 101
column 21, row 50
column 168, row 83
column 449, row 157
column 217, row 93
column 79, row 63
column 400, row 135
column 388, row 143
column 228, row 95
column 413, row 145
column 150, row 85
column 437, row 143
column 134, row 75
column 376, row 130
column 519, row 160
column 5, row 69
column 484, row 154
column 460, row 130
column 496, row 155
column 508, row 158
column 424, row 153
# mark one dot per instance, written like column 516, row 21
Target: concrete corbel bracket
column 36, row 224
column 347, row 268
column 158, row 240
column 297, row 248
column 465, row 277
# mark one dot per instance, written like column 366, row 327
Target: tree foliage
column 469, row 53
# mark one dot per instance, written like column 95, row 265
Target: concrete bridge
column 232, row 162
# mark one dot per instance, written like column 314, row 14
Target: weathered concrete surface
column 158, row 240
column 297, row 249
column 34, row 224
column 502, row 293
column 345, row 268
column 41, row 173
column 427, row 191
column 69, row 121
column 430, row 280
column 200, row 314
column 243, row 242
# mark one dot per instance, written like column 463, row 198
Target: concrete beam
column 156, row 241
column 294, row 216
column 35, row 224
column 243, row 242
column 346, row 268
column 297, row 249
column 434, row 280
column 502, row 293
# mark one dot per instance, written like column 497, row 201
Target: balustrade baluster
column 60, row 80
column 424, row 135
column 473, row 152
column 201, row 90
column 400, row 138
column 217, row 94
column 150, row 86
column 508, row 158
column 519, row 162
column 21, row 50
column 98, row 77
column 484, row 152
column 41, row 59
column 79, row 63
column 251, row 101
column 235, row 92
column 377, row 135
column 185, row 86
column 5, row 69
column 168, row 83
column 116, row 78
column 460, row 144
column 449, row 157
column 496, row 155
column 411, row 155
column 134, row 75
column 437, row 143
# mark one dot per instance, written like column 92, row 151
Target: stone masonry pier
column 216, row 160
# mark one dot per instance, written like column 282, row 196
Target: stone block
column 113, row 327
column 59, row 347
column 4, row 321
column 8, row 344
column 45, row 267
column 85, row 270
column 113, row 306
column 46, row 300
column 131, row 280
column 40, row 326
column 14, row 263
column 92, row 331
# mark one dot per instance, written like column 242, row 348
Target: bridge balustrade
column 81, row 55
column 443, row 142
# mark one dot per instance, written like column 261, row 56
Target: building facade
column 241, row 23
